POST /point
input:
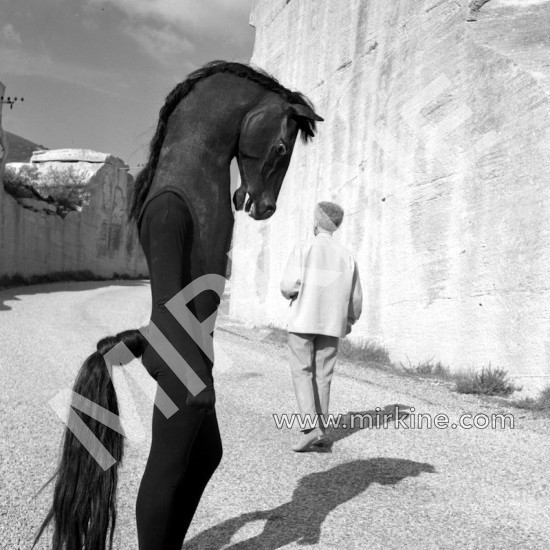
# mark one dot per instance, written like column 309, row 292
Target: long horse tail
column 84, row 498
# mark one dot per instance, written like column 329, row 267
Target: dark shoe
column 325, row 443
column 313, row 438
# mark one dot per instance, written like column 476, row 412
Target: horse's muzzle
column 262, row 211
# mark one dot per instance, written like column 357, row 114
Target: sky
column 94, row 73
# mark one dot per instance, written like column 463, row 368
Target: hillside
column 20, row 149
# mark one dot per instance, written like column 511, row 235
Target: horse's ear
column 304, row 112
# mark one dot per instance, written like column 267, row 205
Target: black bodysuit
column 186, row 448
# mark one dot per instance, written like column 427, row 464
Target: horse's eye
column 281, row 149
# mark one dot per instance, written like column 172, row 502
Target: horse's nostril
column 269, row 210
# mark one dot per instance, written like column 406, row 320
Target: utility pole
column 3, row 149
column 10, row 101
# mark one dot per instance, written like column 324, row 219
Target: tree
column 68, row 187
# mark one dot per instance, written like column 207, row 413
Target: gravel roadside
column 379, row 488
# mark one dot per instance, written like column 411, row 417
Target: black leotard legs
column 186, row 448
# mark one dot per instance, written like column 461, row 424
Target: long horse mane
column 144, row 178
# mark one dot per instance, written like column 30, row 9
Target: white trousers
column 312, row 360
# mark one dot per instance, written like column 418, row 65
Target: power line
column 10, row 101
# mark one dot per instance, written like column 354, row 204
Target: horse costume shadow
column 315, row 497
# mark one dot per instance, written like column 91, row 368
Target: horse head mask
column 268, row 134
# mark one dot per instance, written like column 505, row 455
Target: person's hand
column 348, row 328
column 204, row 401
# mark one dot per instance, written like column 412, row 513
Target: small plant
column 541, row 403
column 369, row 352
column 487, row 382
column 428, row 368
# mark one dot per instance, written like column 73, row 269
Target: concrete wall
column 3, row 144
column 98, row 238
column 436, row 142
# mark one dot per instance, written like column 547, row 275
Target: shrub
column 68, row 188
column 541, row 403
column 20, row 184
column 428, row 368
column 487, row 382
column 369, row 352
column 29, row 174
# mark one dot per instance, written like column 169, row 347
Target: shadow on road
column 354, row 421
column 316, row 495
column 12, row 293
column 379, row 418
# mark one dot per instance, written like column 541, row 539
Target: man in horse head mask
column 321, row 280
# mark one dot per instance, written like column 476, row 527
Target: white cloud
column 163, row 44
column 195, row 15
column 9, row 36
column 174, row 32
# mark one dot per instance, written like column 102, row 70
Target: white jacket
column 322, row 281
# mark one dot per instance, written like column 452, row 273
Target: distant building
column 82, row 161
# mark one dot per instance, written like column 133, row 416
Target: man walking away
column 321, row 280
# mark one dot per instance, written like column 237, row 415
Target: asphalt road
column 379, row 488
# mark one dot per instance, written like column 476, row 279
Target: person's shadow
column 377, row 419
column 316, row 495
column 350, row 423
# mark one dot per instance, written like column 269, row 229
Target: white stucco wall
column 97, row 238
column 436, row 142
